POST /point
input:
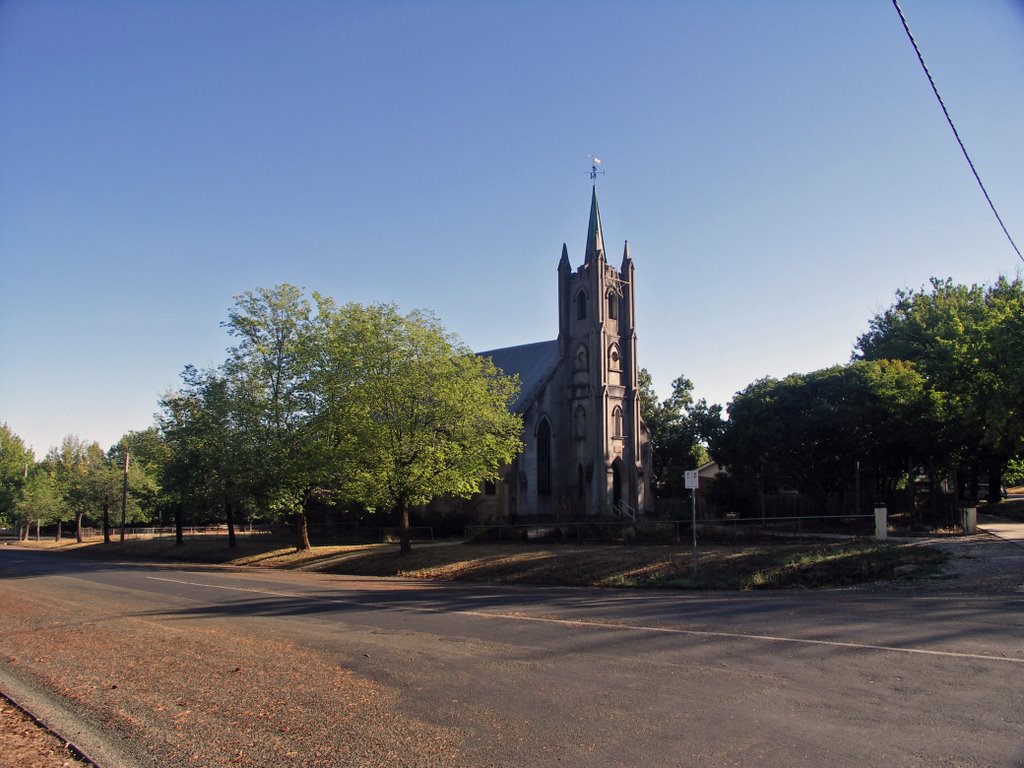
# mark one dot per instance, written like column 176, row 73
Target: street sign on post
column 691, row 480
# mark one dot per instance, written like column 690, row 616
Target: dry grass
column 771, row 566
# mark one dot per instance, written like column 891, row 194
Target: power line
column 949, row 120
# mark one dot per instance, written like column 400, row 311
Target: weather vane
column 595, row 167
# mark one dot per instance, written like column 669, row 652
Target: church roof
column 533, row 362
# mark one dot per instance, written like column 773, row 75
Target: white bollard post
column 881, row 522
column 970, row 520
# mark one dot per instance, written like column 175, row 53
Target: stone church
column 587, row 452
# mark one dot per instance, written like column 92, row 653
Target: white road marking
column 604, row 625
column 217, row 586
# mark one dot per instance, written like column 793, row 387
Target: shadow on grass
column 733, row 567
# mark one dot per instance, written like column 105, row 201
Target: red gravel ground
column 24, row 744
column 209, row 696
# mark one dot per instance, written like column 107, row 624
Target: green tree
column 430, row 418
column 209, row 466
column 811, row 431
column 73, row 466
column 15, row 459
column 1015, row 471
column 148, row 454
column 674, row 425
column 356, row 404
column 41, row 499
column 267, row 374
column 91, row 485
column 966, row 343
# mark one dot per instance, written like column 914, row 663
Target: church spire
column 595, row 238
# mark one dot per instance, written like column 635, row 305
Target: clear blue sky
column 779, row 169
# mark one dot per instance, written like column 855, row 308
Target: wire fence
column 671, row 530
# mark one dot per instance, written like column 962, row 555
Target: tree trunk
column 78, row 527
column 935, row 493
column 302, row 529
column 995, row 483
column 39, row 524
column 59, row 531
column 911, row 495
column 229, row 513
column 179, row 535
column 106, row 522
column 404, row 534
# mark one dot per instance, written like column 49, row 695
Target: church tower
column 586, row 451
column 607, row 453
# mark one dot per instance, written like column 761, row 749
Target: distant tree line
column 933, row 397
column 79, row 482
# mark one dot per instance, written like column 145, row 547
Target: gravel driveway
column 982, row 562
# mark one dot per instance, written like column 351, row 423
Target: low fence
column 796, row 525
column 607, row 531
column 678, row 530
column 163, row 532
column 368, row 535
column 328, row 535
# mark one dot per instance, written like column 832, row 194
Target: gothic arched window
column 613, row 305
column 581, row 305
column 544, row 457
column 580, row 422
column 616, row 421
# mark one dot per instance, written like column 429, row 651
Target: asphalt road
column 141, row 663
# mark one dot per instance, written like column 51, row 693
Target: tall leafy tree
column 147, row 453
column 267, row 377
column 675, row 425
column 15, row 459
column 431, row 418
column 40, row 500
column 92, row 485
column 74, row 465
column 965, row 340
column 356, row 404
column 810, row 431
column 211, row 465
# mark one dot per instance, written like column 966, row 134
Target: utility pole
column 124, row 495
